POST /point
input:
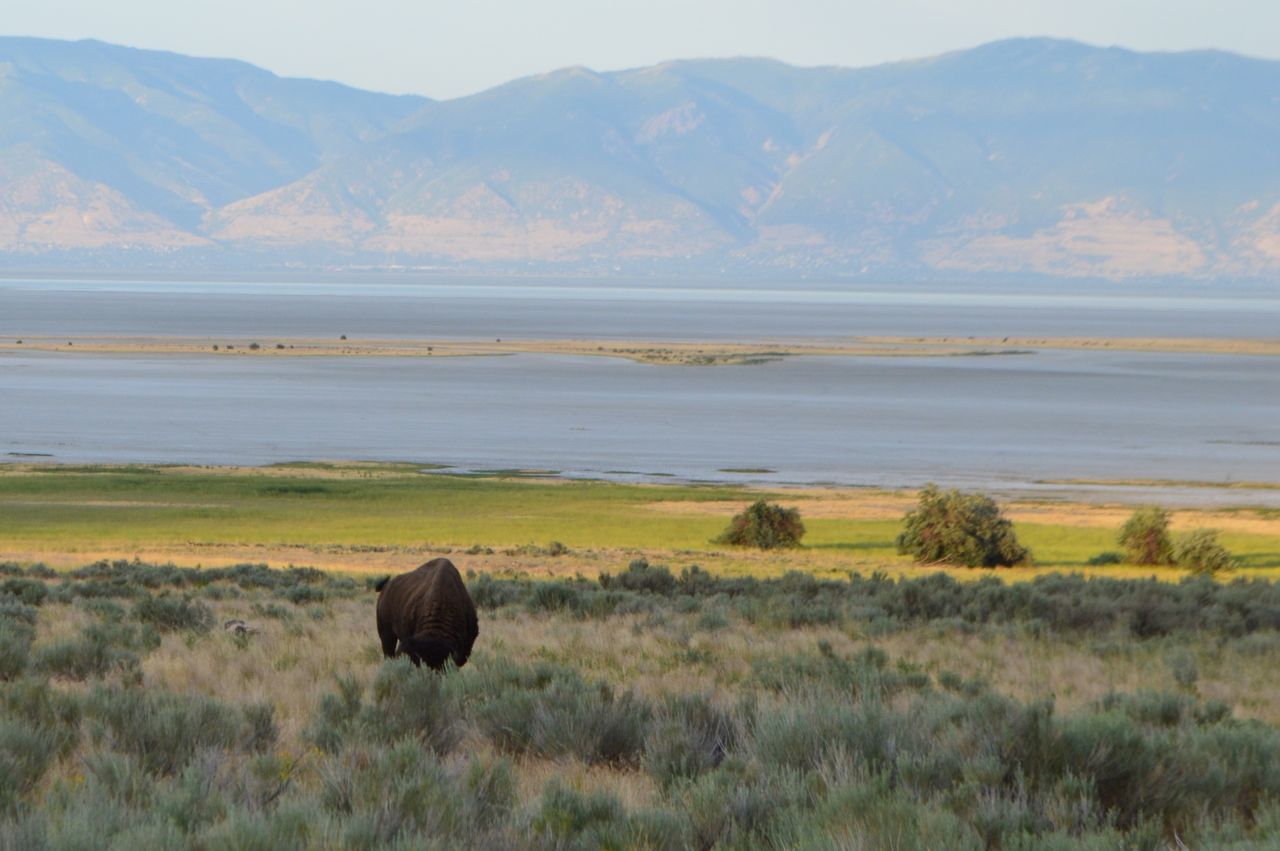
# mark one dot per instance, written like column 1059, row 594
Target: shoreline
column 676, row 353
column 1177, row 494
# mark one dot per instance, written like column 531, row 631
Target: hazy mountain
column 1031, row 156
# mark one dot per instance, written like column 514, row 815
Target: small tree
column 957, row 528
column 1145, row 536
column 764, row 525
column 1200, row 552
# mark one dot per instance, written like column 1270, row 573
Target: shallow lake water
column 650, row 310
column 998, row 422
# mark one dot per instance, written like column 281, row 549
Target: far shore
column 652, row 352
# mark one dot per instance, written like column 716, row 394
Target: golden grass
column 291, row 664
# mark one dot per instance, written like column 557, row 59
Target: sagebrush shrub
column 170, row 614
column 32, row 592
column 99, row 649
column 569, row 818
column 15, row 647
column 411, row 701
column 1145, row 536
column 764, row 525
column 641, row 576
column 959, row 528
column 165, row 731
column 690, row 736
column 26, row 751
column 392, row 793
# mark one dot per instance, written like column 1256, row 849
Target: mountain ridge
column 1024, row 157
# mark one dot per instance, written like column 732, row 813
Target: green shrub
column 489, row 789
column 764, row 525
column 1106, row 558
column 37, row 726
column 417, row 702
column 957, row 528
column 690, row 736
column 284, row 830
column 1199, row 552
column 99, row 649
column 394, row 794
column 641, row 576
column 170, row 614
column 107, row 610
column 567, row 818
column 735, row 807
column 165, row 731
column 31, row 592
column 554, row 596
column 490, row 593
column 1145, row 536
column 25, row 753
column 550, row 711
column 301, row 595
column 17, row 634
column 15, row 647
column 335, row 717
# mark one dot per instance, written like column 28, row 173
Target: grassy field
column 649, row 710
column 634, row 685
column 376, row 517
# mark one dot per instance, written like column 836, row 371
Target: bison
column 429, row 612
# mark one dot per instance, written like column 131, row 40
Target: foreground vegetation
column 649, row 708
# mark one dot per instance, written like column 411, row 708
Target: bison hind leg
column 388, row 638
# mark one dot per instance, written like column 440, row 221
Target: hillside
column 1030, row 157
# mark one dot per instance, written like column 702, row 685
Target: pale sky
column 446, row 48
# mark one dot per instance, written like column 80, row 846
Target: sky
column 449, row 48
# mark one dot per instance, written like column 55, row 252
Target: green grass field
column 744, row 705
column 325, row 513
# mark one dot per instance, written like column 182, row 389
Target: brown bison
column 429, row 612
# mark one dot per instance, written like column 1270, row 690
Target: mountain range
column 1024, row 158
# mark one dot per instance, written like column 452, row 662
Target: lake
column 1003, row 422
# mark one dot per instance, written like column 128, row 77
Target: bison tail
column 381, row 583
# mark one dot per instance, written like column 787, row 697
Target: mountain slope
column 1030, row 156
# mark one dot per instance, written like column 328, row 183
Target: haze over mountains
column 1031, row 157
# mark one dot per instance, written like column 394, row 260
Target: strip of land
column 379, row 517
column 654, row 352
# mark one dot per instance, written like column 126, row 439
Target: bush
column 550, row 711
column 32, row 592
column 1145, row 536
column 1200, row 553
column 98, row 650
column 165, row 731
column 169, row 614
column 17, row 632
column 410, row 701
column 392, row 794
column 641, row 576
column 690, row 737
column 957, row 528
column 25, row 753
column 764, row 525
column 567, row 818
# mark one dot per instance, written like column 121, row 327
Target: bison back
column 431, row 601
